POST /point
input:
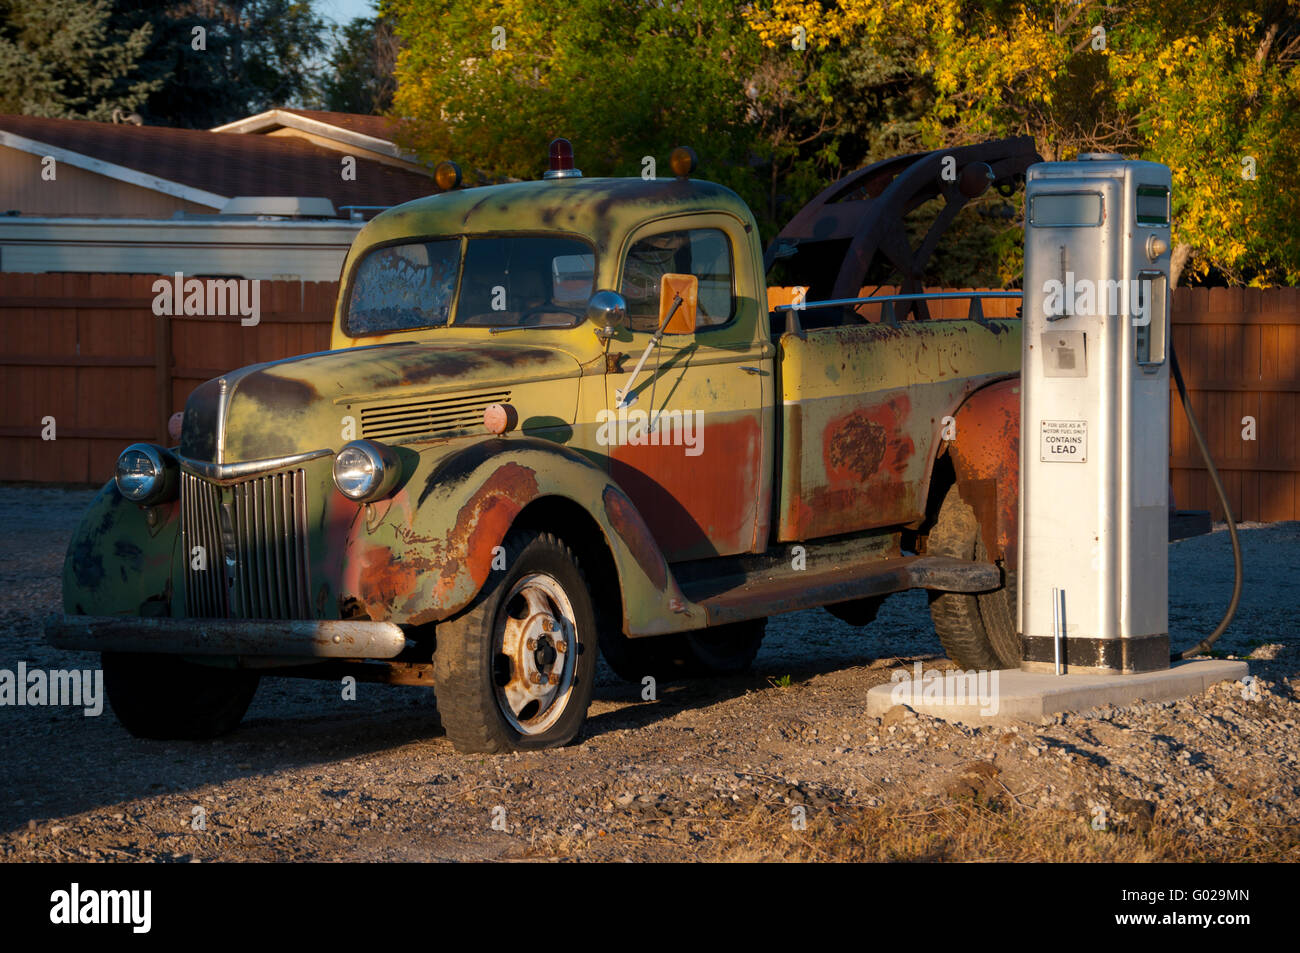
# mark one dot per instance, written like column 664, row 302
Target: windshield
column 507, row 282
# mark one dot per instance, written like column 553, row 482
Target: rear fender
column 424, row 554
column 986, row 459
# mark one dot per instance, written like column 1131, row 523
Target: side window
column 702, row 252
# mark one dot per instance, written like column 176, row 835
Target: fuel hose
column 1210, row 639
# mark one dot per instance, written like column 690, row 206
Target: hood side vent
column 434, row 417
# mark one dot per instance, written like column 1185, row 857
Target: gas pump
column 1094, row 451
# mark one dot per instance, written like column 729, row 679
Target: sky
column 342, row 11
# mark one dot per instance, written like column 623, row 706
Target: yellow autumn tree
column 1209, row 87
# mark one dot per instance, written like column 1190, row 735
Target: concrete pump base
column 994, row 698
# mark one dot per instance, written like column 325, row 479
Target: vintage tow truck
column 562, row 416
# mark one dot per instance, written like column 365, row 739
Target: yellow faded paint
column 863, row 414
column 700, row 373
column 602, row 212
column 424, row 553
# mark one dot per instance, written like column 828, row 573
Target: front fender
column 425, row 553
column 119, row 562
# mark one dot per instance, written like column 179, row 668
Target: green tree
column 359, row 78
column 490, row 83
column 493, row 81
column 69, row 61
column 215, row 61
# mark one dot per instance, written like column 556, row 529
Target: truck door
column 693, row 447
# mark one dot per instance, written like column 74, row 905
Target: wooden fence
column 1239, row 349
column 87, row 351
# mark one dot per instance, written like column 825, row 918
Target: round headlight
column 144, row 474
column 365, row 470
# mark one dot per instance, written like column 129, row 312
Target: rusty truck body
column 556, row 418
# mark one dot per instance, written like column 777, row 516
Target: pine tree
column 69, row 61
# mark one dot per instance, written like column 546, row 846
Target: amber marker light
column 447, row 175
column 683, row 161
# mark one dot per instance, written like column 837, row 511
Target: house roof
column 217, row 164
column 377, row 127
column 349, row 130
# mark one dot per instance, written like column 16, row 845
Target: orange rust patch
column 986, row 457
column 857, row 445
column 384, row 579
column 482, row 523
column 854, row 451
column 698, row 506
column 867, row 475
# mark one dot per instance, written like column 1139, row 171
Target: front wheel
column 516, row 669
column 165, row 697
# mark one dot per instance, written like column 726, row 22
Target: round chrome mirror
column 608, row 311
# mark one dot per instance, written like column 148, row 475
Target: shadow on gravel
column 287, row 728
column 113, row 767
column 679, row 695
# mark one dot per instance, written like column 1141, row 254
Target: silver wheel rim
column 534, row 654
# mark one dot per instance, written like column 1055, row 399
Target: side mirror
column 670, row 287
column 608, row 311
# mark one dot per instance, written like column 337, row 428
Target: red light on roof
column 561, row 161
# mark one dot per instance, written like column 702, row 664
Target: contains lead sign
column 1063, row 441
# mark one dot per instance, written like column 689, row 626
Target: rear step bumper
column 297, row 638
column 766, row 593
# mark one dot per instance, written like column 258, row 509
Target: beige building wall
column 76, row 192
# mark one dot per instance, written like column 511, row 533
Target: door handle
column 751, row 370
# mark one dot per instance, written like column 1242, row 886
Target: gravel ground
column 309, row 776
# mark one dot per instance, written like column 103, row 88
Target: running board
column 754, row 595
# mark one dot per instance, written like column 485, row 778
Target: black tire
column 977, row 631
column 662, row 657
column 724, row 649
column 857, row 612
column 167, row 698
column 720, row 650
column 487, row 699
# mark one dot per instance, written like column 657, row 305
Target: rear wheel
column 977, row 631
column 165, row 697
column 721, row 650
column 724, row 649
column 515, row 670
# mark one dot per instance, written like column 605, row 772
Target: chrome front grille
column 254, row 539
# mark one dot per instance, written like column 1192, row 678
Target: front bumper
column 307, row 638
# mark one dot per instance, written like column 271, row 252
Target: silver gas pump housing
column 1094, row 417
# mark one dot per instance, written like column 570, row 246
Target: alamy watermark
column 126, row 907
column 1084, row 296
column 38, row 687
column 945, row 687
column 638, row 428
column 213, row 297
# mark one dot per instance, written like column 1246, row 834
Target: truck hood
column 306, row 403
